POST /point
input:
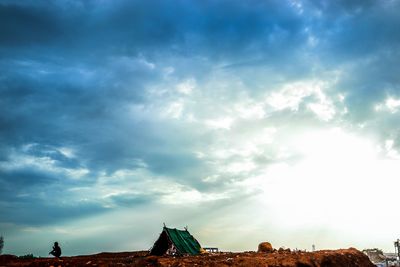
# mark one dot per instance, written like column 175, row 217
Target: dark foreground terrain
column 324, row 258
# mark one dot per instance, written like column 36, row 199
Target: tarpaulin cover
column 183, row 241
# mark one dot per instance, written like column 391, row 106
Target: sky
column 246, row 121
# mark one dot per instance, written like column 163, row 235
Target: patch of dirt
column 283, row 258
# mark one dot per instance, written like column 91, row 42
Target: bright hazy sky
column 246, row 121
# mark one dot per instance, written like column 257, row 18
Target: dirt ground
column 324, row 258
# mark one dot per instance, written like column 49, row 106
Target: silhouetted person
column 56, row 252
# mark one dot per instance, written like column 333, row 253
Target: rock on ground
column 265, row 247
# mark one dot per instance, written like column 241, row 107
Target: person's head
column 56, row 244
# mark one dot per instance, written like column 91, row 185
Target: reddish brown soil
column 326, row 258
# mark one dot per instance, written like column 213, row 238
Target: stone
column 265, row 247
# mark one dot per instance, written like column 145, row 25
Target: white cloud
column 239, row 167
column 310, row 92
column 391, row 152
column 224, row 123
column 390, row 104
column 22, row 160
column 68, row 152
column 250, row 111
column 179, row 195
column 291, row 95
column 187, row 86
column 325, row 111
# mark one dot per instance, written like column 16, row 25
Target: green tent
column 175, row 242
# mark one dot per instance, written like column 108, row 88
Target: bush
column 27, row 256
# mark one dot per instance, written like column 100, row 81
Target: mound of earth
column 326, row 258
column 265, row 247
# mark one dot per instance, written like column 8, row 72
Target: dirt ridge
column 325, row 258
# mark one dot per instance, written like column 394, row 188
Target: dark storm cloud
column 31, row 211
column 55, row 90
column 31, row 196
column 27, row 25
column 129, row 27
column 130, row 200
column 13, row 182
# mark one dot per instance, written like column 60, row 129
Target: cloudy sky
column 247, row 121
